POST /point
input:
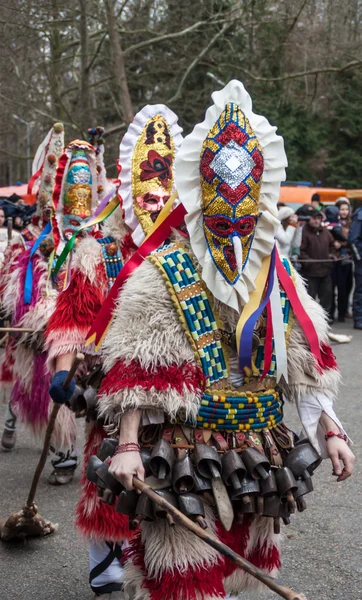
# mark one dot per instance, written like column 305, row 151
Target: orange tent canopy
column 301, row 194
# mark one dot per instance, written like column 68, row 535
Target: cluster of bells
column 254, row 486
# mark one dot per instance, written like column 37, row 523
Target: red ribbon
column 268, row 346
column 104, row 317
column 59, row 178
column 305, row 321
column 33, row 179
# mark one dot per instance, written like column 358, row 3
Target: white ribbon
column 278, row 331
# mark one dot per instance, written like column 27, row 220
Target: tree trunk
column 85, row 104
column 119, row 68
column 55, row 65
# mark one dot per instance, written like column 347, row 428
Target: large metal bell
column 146, row 457
column 110, row 482
column 160, row 512
column 193, row 507
column 246, row 509
column 93, row 464
column 269, row 486
column 202, row 484
column 249, row 487
column 233, row 469
column 162, row 459
column 305, row 486
column 286, row 486
column 127, row 502
column 303, row 460
column 183, row 475
column 107, row 448
column 144, row 511
column 208, row 462
column 256, row 463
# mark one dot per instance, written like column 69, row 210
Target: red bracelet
column 341, row 436
column 128, row 447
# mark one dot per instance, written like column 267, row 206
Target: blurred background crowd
column 324, row 244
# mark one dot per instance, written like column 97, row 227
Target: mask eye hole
column 219, row 225
column 245, row 226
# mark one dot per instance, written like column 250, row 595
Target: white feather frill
column 187, row 177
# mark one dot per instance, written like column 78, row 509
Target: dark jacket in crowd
column 355, row 233
column 316, row 244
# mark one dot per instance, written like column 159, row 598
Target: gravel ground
column 322, row 548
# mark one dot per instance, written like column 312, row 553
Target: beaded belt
column 256, row 411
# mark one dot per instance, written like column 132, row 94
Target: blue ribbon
column 246, row 341
column 28, row 287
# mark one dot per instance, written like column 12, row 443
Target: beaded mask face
column 231, row 172
column 77, row 198
column 152, row 171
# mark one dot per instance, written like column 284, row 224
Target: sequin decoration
column 112, row 258
column 231, row 174
column 152, row 171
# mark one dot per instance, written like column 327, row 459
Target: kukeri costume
column 146, row 159
column 211, row 336
column 29, row 396
column 73, row 198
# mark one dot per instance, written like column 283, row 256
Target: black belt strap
column 115, row 551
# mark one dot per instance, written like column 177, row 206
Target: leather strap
column 219, row 441
column 115, row 551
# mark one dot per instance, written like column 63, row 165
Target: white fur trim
column 187, row 169
column 52, row 144
column 88, row 256
column 146, row 329
column 126, row 149
column 176, row 548
column 113, row 406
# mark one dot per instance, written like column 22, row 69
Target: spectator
column 316, row 202
column 318, row 247
column 2, row 217
column 355, row 241
column 342, row 274
column 289, row 235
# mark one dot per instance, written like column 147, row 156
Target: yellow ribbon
column 255, row 298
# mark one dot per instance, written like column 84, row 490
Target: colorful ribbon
column 277, row 319
column 110, row 207
column 299, row 312
column 252, row 311
column 268, row 346
column 154, row 240
column 33, row 179
column 28, row 286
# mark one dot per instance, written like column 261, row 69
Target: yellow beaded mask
column 231, row 172
column 152, row 171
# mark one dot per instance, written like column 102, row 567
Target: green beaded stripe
column 197, row 311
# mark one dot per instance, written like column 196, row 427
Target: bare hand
column 124, row 466
column 337, row 244
column 339, row 452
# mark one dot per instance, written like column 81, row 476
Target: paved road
column 322, row 548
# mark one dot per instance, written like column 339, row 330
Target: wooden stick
column 49, row 432
column 3, row 339
column 210, row 539
column 17, row 330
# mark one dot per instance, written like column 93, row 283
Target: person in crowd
column 355, row 242
column 317, row 252
column 2, row 217
column 289, row 234
column 316, row 202
column 342, row 274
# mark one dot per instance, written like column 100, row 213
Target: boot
column 8, row 439
column 62, row 476
column 9, row 434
